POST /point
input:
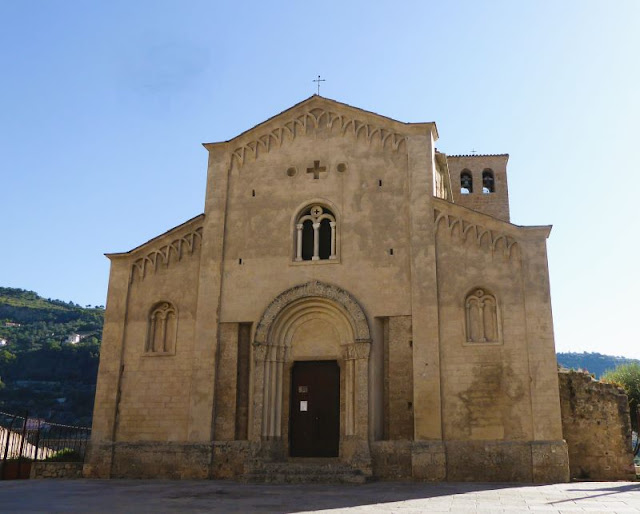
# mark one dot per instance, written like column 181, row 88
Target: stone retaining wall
column 597, row 428
column 56, row 469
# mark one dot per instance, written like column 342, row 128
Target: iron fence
column 30, row 438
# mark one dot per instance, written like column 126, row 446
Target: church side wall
column 486, row 402
column 154, row 385
column 489, row 424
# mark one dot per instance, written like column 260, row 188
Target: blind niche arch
column 162, row 329
column 482, row 317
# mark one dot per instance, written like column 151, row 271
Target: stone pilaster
column 545, row 398
column 424, row 290
column 98, row 463
column 208, row 311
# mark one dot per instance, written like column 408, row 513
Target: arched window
column 466, row 182
column 162, row 329
column 488, row 182
column 481, row 313
column 315, row 234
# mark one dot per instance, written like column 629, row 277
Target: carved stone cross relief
column 316, row 170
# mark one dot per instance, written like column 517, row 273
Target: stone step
column 306, row 471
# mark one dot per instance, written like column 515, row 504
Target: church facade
column 350, row 295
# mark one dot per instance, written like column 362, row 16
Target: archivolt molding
column 168, row 254
column 311, row 120
column 495, row 241
column 310, row 290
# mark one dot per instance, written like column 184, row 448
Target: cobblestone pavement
column 158, row 496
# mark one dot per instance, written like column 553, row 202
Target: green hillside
column 595, row 363
column 40, row 370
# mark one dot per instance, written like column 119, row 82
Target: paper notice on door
column 303, row 406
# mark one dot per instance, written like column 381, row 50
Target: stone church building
column 351, row 302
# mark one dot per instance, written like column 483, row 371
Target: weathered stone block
column 230, row 459
column 488, row 461
column 428, row 460
column 391, row 460
column 550, row 461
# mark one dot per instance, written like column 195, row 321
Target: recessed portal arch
column 311, row 322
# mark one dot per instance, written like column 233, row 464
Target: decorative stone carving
column 259, row 352
column 481, row 315
column 497, row 242
column 317, row 169
column 362, row 351
column 356, row 351
column 162, row 330
column 308, row 290
column 311, row 121
column 167, row 254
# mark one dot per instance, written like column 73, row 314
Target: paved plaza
column 384, row 497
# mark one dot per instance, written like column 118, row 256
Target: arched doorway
column 314, row 328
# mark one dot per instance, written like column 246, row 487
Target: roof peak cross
column 318, row 80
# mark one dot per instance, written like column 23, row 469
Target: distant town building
column 3, row 342
column 74, row 338
column 12, row 324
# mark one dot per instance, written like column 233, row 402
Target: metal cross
column 473, row 152
column 318, row 80
column 316, row 170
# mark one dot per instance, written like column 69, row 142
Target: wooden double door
column 314, row 419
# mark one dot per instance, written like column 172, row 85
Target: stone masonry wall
column 597, row 428
column 56, row 470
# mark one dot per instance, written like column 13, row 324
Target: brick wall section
column 597, row 428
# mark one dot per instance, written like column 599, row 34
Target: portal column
column 259, row 357
column 355, row 444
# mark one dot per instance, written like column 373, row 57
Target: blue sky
column 103, row 106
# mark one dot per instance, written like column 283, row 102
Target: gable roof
column 187, row 225
column 317, row 101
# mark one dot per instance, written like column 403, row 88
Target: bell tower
column 479, row 182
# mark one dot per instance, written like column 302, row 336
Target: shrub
column 65, row 455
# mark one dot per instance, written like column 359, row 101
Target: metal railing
column 30, row 438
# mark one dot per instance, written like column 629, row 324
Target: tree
column 627, row 376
